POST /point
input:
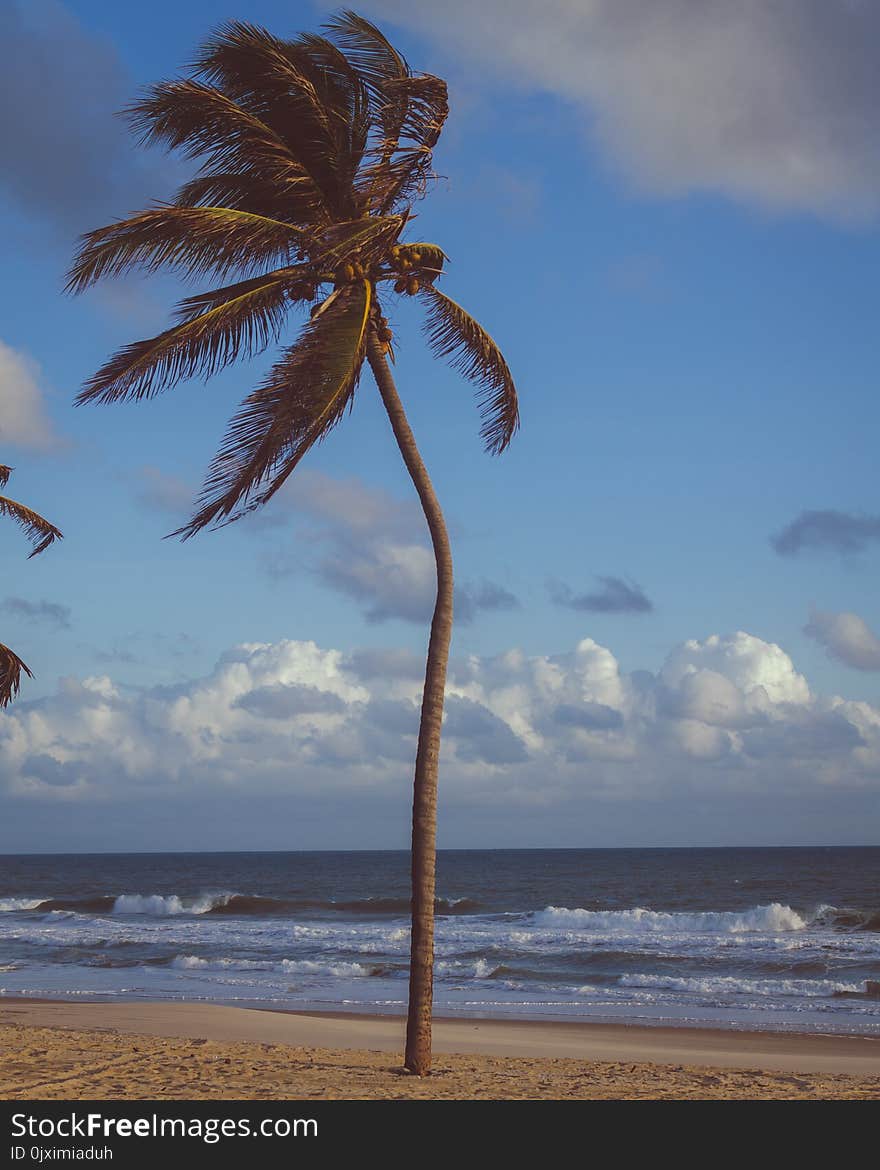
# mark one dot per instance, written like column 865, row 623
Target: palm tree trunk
column 424, row 827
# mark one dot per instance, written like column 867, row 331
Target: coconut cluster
column 404, row 259
column 349, row 272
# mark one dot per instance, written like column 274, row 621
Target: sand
column 144, row 1051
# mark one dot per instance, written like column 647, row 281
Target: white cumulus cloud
column 23, row 418
column 292, row 721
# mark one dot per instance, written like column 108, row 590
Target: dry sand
column 207, row 1052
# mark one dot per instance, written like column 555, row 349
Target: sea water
column 782, row 939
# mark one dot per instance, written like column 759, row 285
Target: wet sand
column 53, row 1050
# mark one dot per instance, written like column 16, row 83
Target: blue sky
column 682, row 280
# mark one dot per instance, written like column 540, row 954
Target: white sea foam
column 287, row 966
column 11, row 905
column 195, row 963
column 731, row 985
column 311, row 967
column 771, row 919
column 168, row 904
column 475, row 968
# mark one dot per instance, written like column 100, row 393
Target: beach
column 580, row 974
column 155, row 1051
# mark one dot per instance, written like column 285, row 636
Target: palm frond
column 366, row 237
column 203, row 122
column 303, row 397
column 290, row 200
column 454, row 334
column 433, row 257
column 11, row 670
column 214, row 328
column 399, row 178
column 346, row 95
column 381, row 67
column 371, row 54
column 5, row 473
column 304, row 90
column 266, row 75
column 425, row 100
column 191, row 240
column 38, row 531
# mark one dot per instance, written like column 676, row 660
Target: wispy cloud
column 846, row 637
column 67, row 158
column 774, row 104
column 373, row 550
column 42, row 612
column 614, row 596
column 159, row 491
column 829, row 531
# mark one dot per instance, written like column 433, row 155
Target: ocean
column 779, row 939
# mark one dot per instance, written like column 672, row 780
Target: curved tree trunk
column 424, row 829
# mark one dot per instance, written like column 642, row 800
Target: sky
column 668, row 627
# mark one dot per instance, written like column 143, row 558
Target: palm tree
column 312, row 152
column 41, row 534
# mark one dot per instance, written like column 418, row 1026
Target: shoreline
column 789, row 1052
column 643, row 1023
column 52, row 1050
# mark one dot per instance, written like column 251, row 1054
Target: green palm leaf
column 203, row 122
column 38, row 531
column 214, row 329
column 454, row 334
column 290, row 200
column 370, row 53
column 308, row 78
column 303, row 397
column 191, row 240
column 11, row 670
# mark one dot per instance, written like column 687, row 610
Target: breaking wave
column 770, row 919
column 286, row 966
column 731, row 985
column 162, row 905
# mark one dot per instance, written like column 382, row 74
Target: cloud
column 482, row 736
column 773, row 104
column 286, row 700
column 160, row 492
column 589, row 716
column 45, row 612
column 313, row 735
column 67, row 158
column 386, row 664
column 829, row 531
column 761, row 672
column 846, row 638
column 23, row 419
column 486, row 595
column 373, row 550
column 615, row 596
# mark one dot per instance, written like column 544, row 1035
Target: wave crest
column 168, row 904
column 286, row 966
column 772, row 919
